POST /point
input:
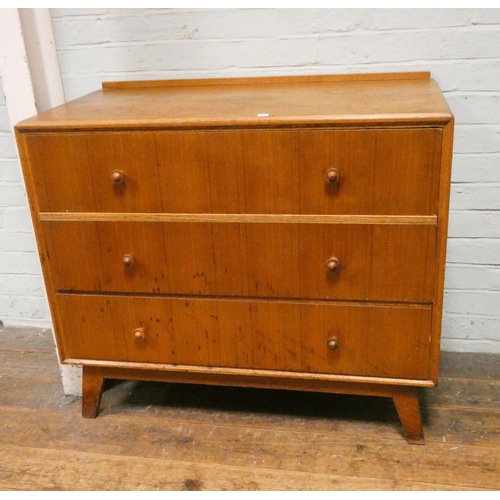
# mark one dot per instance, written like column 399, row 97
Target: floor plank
column 227, row 438
column 26, row 339
column 367, row 457
column 463, row 393
column 29, row 364
column 44, row 469
column 470, row 365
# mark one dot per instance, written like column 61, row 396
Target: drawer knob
column 128, row 260
column 118, row 176
column 333, row 264
column 332, row 344
column 139, row 333
column 332, row 176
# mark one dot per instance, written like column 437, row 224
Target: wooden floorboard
column 154, row 436
column 470, row 365
column 70, row 470
column 26, row 339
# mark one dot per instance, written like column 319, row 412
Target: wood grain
column 407, row 406
column 286, row 336
column 382, row 171
column 92, row 386
column 24, row 156
column 429, row 220
column 356, row 102
column 417, row 75
column 470, row 365
column 243, row 259
column 216, row 438
column 77, row 470
column 31, row 364
column 441, row 243
column 250, row 377
column 22, row 339
column 209, row 204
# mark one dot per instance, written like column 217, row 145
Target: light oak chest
column 269, row 232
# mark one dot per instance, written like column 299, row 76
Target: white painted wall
column 461, row 47
column 30, row 81
column 22, row 293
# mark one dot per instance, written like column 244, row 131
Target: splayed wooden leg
column 92, row 383
column 407, row 406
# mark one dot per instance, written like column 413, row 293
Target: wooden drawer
column 372, row 340
column 382, row 171
column 392, row 262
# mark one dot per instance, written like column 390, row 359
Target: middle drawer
column 386, row 262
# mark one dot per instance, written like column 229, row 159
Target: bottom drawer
column 371, row 340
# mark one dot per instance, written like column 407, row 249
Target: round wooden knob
column 118, row 176
column 332, row 344
column 332, row 175
column 128, row 260
column 139, row 333
column 333, row 264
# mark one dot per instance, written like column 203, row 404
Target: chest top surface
column 330, row 100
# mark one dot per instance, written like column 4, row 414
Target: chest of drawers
column 268, row 232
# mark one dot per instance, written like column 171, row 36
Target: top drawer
column 381, row 171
